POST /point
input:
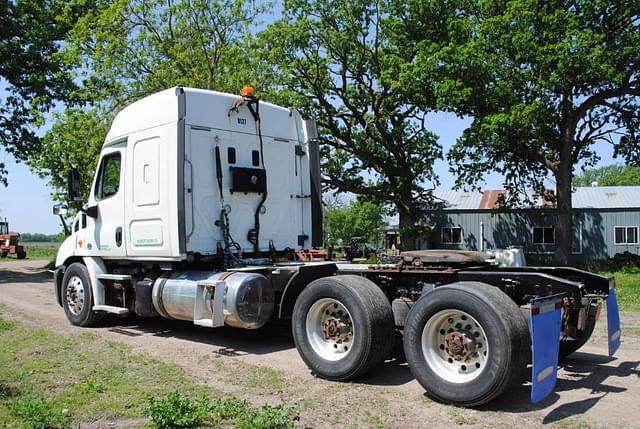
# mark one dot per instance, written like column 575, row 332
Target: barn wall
column 593, row 235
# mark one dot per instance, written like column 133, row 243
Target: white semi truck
column 201, row 201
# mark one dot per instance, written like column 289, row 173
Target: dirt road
column 592, row 390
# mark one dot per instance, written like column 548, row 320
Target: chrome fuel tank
column 248, row 297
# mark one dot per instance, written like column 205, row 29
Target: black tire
column 3, row 253
column 372, row 323
column 79, row 315
column 506, row 337
column 568, row 346
column 22, row 254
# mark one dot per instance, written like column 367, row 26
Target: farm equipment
column 200, row 204
column 9, row 242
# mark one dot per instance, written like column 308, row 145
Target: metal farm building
column 606, row 221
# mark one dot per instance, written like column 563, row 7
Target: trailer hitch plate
column 613, row 322
column 546, row 318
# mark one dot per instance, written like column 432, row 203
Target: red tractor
column 9, row 242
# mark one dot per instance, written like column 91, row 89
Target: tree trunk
column 407, row 230
column 564, row 212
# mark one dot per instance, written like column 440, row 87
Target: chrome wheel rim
column 75, row 295
column 455, row 346
column 329, row 329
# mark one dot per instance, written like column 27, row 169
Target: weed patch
column 176, row 411
column 37, row 413
column 6, row 325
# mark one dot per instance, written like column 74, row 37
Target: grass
column 373, row 421
column 631, row 330
column 572, row 424
column 260, row 379
column 41, row 252
column 460, row 418
column 49, row 380
column 37, row 251
column 627, row 288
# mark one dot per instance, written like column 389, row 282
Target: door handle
column 119, row 236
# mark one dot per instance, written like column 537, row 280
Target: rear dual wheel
column 466, row 343
column 342, row 326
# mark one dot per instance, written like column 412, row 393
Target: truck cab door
column 108, row 196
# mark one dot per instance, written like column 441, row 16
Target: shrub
column 174, row 411
column 266, row 417
column 36, row 413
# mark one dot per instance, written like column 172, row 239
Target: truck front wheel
column 466, row 343
column 77, row 296
column 342, row 326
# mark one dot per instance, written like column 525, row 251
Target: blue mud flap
column 546, row 318
column 613, row 322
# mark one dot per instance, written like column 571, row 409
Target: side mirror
column 60, row 209
column 73, row 185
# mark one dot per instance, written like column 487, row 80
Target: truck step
column 111, row 309
column 209, row 289
column 119, row 277
column 208, row 323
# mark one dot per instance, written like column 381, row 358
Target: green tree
column 127, row 49
column 339, row 62
column 543, row 81
column 33, row 72
column 133, row 48
column 31, row 237
column 609, row 175
column 357, row 219
column 75, row 139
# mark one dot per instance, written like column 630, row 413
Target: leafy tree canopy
column 542, row 80
column 32, row 72
column 610, row 175
column 339, row 61
column 357, row 219
column 124, row 50
column 127, row 49
column 31, row 237
column 75, row 139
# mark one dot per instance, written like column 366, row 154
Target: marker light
column 247, row 91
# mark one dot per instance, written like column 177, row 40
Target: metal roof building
column 606, row 221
